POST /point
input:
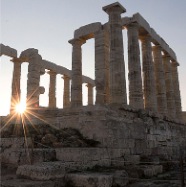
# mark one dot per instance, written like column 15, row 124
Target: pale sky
column 47, row 25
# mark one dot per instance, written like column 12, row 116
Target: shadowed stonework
column 108, row 143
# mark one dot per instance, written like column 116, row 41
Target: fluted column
column 66, row 93
column 134, row 75
column 76, row 88
column 16, row 91
column 176, row 86
column 117, row 67
column 102, row 66
column 90, row 94
column 160, row 80
column 52, row 89
column 169, row 86
column 150, row 100
column 33, row 88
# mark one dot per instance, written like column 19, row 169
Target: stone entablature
column 8, row 51
column 145, row 28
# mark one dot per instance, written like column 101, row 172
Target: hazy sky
column 47, row 25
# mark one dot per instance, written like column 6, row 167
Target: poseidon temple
column 131, row 129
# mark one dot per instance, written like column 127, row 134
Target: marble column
column 76, row 88
column 16, row 91
column 134, row 75
column 169, row 86
column 102, row 66
column 90, row 94
column 176, row 86
column 160, row 80
column 117, row 67
column 33, row 82
column 52, row 89
column 66, row 93
column 150, row 100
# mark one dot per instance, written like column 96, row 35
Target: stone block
column 42, row 155
column 140, row 146
column 42, row 171
column 83, row 158
column 131, row 159
column 8, row 51
column 14, row 150
column 150, row 171
column 90, row 179
column 120, row 178
column 87, row 30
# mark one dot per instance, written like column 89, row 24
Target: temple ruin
column 154, row 86
column 150, row 125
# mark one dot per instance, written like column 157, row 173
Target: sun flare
column 20, row 108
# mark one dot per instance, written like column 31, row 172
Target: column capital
column 175, row 63
column 89, row 85
column 166, row 55
column 133, row 25
column 65, row 77
column 157, row 47
column 51, row 72
column 145, row 37
column 16, row 60
column 77, row 41
column 114, row 7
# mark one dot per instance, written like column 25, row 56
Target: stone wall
column 131, row 132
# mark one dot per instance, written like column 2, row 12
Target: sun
column 20, row 108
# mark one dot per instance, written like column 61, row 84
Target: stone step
column 90, row 179
column 47, row 171
column 84, row 179
column 98, row 179
column 84, row 157
column 97, row 156
column 151, row 170
column 27, row 156
column 42, row 171
column 27, row 183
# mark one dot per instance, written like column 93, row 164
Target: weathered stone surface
column 76, row 89
column 16, row 90
column 90, row 94
column 120, row 178
column 66, row 93
column 102, row 66
column 175, row 80
column 8, row 51
column 150, row 101
column 13, row 149
column 152, row 170
column 42, row 171
column 90, row 179
column 52, row 89
column 155, row 37
column 184, row 116
column 101, row 137
column 169, row 86
column 87, row 31
column 134, row 75
column 28, row 183
column 83, row 158
column 117, row 67
column 160, row 80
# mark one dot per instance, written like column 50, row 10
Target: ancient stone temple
column 111, row 134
